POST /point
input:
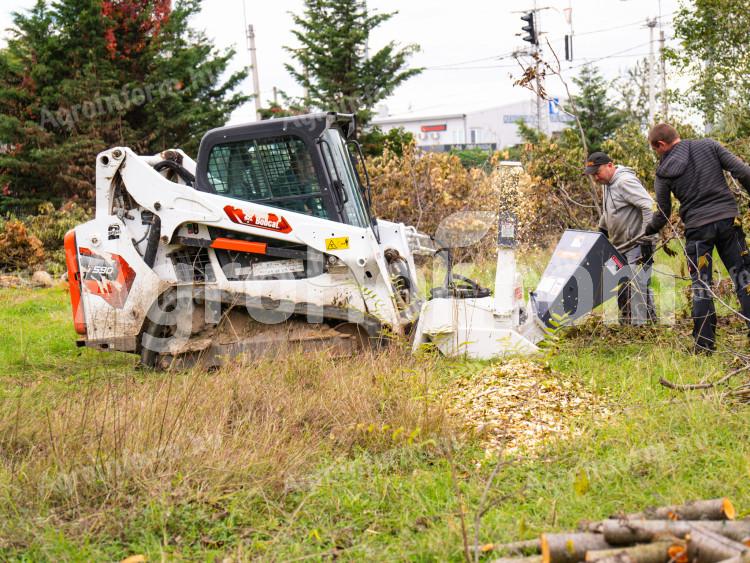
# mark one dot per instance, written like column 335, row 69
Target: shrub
column 19, row 250
column 50, row 226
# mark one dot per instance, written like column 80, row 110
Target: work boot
column 704, row 349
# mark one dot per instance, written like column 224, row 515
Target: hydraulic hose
column 178, row 169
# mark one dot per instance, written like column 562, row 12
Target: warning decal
column 337, row 243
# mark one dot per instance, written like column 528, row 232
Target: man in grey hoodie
column 694, row 172
column 626, row 209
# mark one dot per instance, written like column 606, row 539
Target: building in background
column 488, row 129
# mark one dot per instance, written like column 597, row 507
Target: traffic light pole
column 539, row 124
column 531, row 19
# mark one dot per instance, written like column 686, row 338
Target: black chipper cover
column 584, row 272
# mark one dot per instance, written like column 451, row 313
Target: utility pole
column 651, row 74
column 539, row 100
column 664, row 98
column 254, row 62
column 275, row 96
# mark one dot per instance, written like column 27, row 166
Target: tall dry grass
column 85, row 452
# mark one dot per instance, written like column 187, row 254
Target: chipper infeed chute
column 584, row 272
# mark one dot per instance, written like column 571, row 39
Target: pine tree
column 599, row 117
column 333, row 64
column 79, row 76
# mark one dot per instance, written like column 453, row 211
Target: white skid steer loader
column 266, row 242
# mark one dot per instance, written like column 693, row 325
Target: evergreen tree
column 599, row 118
column 79, row 76
column 334, row 66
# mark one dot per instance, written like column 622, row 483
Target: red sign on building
column 432, row 128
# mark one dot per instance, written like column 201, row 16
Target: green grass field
column 310, row 459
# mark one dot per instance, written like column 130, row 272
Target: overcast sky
column 465, row 44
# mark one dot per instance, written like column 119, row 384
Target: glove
column 647, row 253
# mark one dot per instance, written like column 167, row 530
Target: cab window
column 278, row 172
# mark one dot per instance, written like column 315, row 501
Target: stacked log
column 703, row 531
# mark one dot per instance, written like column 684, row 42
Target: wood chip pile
column 519, row 404
column 703, row 531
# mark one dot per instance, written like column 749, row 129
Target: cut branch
column 657, row 552
column 712, row 509
column 628, row 532
column 702, row 384
column 570, row 548
column 705, row 546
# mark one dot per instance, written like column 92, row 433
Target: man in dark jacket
column 694, row 172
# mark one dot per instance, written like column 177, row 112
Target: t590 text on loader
column 268, row 240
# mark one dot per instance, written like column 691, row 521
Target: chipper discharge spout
column 585, row 271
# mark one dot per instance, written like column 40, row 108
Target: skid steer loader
column 268, row 240
column 268, row 237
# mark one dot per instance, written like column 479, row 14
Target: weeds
column 260, row 426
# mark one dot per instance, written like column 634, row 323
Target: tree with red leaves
column 79, row 76
column 132, row 25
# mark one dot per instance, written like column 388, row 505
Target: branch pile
column 702, row 531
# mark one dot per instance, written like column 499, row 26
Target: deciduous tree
column 79, row 76
column 715, row 53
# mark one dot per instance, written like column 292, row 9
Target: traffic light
column 530, row 29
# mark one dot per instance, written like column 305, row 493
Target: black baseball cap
column 594, row 161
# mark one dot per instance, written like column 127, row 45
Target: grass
column 311, row 458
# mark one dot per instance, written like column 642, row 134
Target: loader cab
column 301, row 164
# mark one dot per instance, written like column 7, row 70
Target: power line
column 610, row 56
column 493, row 57
column 472, row 67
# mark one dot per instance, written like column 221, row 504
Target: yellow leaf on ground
column 134, row 559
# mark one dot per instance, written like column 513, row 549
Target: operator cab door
column 299, row 164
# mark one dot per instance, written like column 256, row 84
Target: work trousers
column 729, row 240
column 635, row 299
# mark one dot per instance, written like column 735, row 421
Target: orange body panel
column 74, row 281
column 239, row 245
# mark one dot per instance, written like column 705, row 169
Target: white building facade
column 492, row 128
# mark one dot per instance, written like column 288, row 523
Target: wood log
column 629, row 532
column 656, row 552
column 705, row 546
column 678, row 553
column 570, row 548
column 712, row 509
column 616, row 558
column 519, row 547
column 744, row 558
column 529, row 559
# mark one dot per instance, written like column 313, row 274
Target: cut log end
column 545, row 549
column 677, row 553
column 729, row 512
